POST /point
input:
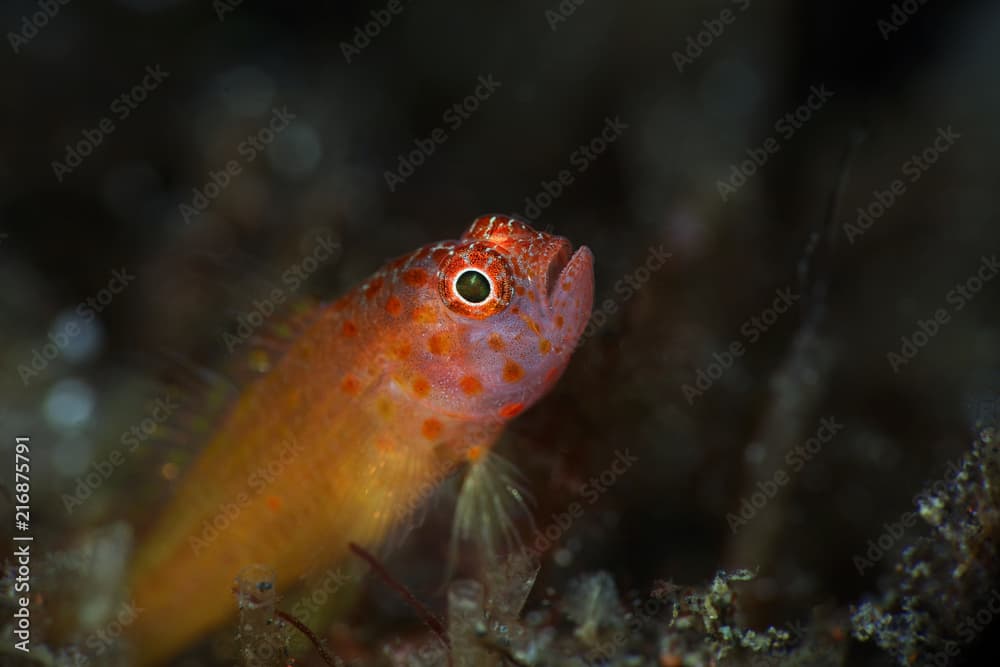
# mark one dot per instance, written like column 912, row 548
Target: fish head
column 502, row 311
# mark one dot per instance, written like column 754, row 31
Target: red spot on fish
column 431, row 428
column 552, row 375
column 351, row 385
column 470, row 385
column 511, row 410
column 394, row 306
column 349, row 329
column 496, row 342
column 421, row 387
column 274, row 503
column 512, row 371
column 415, row 277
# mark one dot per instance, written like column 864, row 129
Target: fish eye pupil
column 473, row 286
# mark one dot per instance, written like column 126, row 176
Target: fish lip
column 558, row 260
column 560, row 263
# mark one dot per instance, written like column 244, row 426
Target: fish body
column 380, row 395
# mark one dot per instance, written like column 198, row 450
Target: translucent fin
column 491, row 497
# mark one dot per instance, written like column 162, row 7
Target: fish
column 376, row 398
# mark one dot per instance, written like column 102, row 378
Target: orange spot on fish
column 394, row 306
column 424, row 315
column 421, row 387
column 274, row 503
column 401, row 349
column 349, row 329
column 544, row 346
column 512, row 371
column 415, row 277
column 431, row 428
column 439, row 343
column 470, row 385
column 496, row 342
column 340, row 304
column 351, row 385
column 474, row 454
column 552, row 375
column 511, row 410
column 567, row 286
column 533, row 325
column 558, row 321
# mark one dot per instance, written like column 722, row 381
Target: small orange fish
column 378, row 396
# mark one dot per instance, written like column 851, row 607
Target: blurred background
column 162, row 160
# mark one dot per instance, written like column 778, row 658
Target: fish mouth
column 563, row 266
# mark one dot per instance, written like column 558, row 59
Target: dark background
column 655, row 185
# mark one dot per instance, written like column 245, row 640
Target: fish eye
column 476, row 280
column 473, row 286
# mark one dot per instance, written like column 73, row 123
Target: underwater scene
column 571, row 333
